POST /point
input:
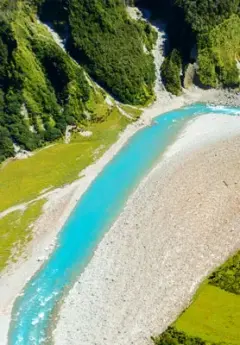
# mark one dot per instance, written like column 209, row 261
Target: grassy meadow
column 135, row 112
column 49, row 168
column 213, row 318
column 58, row 163
column 15, row 232
column 24, row 180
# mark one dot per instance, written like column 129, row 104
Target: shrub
column 227, row 276
column 170, row 71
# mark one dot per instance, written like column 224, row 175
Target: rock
column 189, row 76
column 41, row 258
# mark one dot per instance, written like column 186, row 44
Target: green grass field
column 133, row 111
column 227, row 276
column 214, row 316
column 23, row 180
column 59, row 163
column 15, row 232
column 51, row 167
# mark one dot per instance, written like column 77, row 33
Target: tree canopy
column 110, row 47
column 210, row 25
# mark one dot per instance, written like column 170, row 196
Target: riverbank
column 62, row 201
column 148, row 266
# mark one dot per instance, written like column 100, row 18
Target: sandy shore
column 62, row 201
column 180, row 223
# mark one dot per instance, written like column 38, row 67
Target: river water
column 92, row 217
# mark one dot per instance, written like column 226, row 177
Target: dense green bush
column 203, row 15
column 211, row 25
column 227, row 276
column 170, row 71
column 207, row 69
column 217, row 52
column 6, row 145
column 42, row 89
column 64, row 76
column 109, row 45
column 7, row 46
column 173, row 337
column 13, row 127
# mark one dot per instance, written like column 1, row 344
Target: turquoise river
column 91, row 218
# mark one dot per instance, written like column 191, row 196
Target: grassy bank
column 55, row 92
column 23, row 180
column 214, row 316
column 15, row 232
column 133, row 111
column 49, row 168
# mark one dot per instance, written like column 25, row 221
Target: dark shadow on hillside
column 161, row 25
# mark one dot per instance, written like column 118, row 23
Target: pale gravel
column 62, row 201
column 180, row 223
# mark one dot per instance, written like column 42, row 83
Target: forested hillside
column 213, row 27
column 217, row 28
column 108, row 44
column 43, row 90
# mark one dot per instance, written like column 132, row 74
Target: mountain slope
column 108, row 44
column 43, row 90
column 206, row 32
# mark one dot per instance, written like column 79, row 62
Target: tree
column 170, row 72
column 6, row 145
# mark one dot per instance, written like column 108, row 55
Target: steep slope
column 217, row 30
column 43, row 90
column 108, row 44
column 205, row 32
column 218, row 54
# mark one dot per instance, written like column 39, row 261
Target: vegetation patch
column 133, row 111
column 110, row 46
column 170, row 70
column 174, row 337
column 23, row 180
column 204, row 31
column 219, row 51
column 42, row 90
column 213, row 318
column 227, row 276
column 16, row 232
column 205, row 15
